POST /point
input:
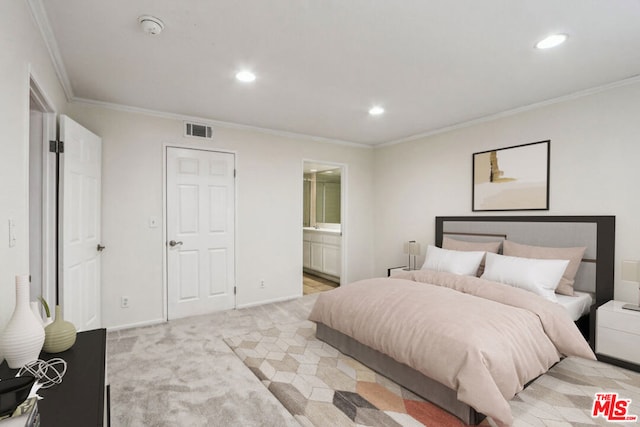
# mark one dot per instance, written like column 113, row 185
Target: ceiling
column 321, row 64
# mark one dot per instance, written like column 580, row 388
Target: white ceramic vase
column 36, row 310
column 22, row 339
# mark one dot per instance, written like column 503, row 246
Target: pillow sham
column 460, row 245
column 457, row 262
column 539, row 276
column 574, row 255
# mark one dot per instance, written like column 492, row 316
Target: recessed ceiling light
column 313, row 170
column 376, row 111
column 245, row 76
column 551, row 41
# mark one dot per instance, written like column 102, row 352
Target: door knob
column 173, row 243
column 100, row 248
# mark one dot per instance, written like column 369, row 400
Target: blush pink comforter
column 483, row 339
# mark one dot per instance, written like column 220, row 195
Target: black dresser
column 81, row 399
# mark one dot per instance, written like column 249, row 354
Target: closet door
column 200, row 231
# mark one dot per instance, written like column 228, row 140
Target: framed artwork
column 512, row 178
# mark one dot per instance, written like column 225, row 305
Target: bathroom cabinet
column 322, row 253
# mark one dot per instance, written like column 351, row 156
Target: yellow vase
column 60, row 335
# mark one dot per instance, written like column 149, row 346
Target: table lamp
column 631, row 273
column 412, row 248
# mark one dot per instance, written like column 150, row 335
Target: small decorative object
column 23, row 337
column 46, row 322
column 60, row 335
column 48, row 373
column 512, row 178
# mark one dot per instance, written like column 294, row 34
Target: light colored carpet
column 182, row 373
column 322, row 387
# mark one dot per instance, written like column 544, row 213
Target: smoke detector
column 150, row 24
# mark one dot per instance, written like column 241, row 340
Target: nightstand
column 395, row 270
column 618, row 335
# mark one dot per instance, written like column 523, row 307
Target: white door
column 80, row 208
column 200, row 231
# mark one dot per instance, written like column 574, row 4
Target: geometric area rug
column 320, row 386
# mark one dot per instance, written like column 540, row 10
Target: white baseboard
column 158, row 321
column 269, row 301
column 135, row 325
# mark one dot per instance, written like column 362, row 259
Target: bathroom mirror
column 321, row 195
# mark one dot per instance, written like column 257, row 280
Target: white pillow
column 540, row 276
column 458, row 262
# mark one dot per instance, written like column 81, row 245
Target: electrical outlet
column 124, row 302
column 262, row 284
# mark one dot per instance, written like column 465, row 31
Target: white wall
column 594, row 171
column 269, row 209
column 21, row 50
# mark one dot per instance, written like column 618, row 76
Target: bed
column 593, row 282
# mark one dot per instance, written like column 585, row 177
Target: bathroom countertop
column 322, row 230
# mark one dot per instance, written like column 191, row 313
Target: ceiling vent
column 198, row 130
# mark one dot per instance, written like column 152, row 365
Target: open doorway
column 323, row 226
column 42, row 204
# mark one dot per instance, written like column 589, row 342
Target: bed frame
column 595, row 275
column 596, row 233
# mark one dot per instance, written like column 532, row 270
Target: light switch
column 630, row 271
column 12, row 233
column 153, row 221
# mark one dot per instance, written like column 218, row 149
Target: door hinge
column 56, row 146
column 234, row 290
column 234, row 173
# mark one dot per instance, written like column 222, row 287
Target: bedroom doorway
column 64, row 213
column 42, row 204
column 322, row 226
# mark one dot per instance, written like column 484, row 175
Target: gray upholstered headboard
column 597, row 233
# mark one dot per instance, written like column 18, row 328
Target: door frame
column 165, row 248
column 48, row 203
column 344, row 170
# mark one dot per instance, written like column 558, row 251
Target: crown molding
column 203, row 120
column 42, row 22
column 518, row 110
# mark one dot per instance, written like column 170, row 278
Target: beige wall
column 21, row 52
column 269, row 209
column 594, row 171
